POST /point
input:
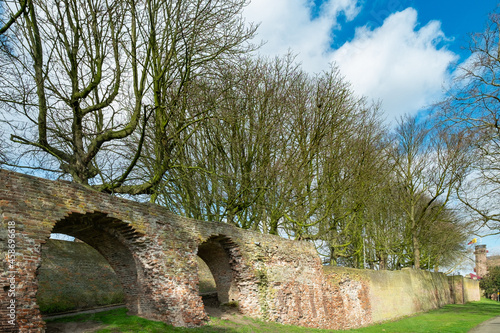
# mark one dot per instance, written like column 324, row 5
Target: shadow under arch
column 222, row 257
column 115, row 241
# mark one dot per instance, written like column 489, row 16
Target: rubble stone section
column 154, row 255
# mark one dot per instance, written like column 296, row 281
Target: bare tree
column 88, row 74
column 277, row 153
column 189, row 40
column 429, row 164
column 472, row 106
column 232, row 162
column 358, row 179
column 19, row 7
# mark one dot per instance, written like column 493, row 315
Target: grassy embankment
column 451, row 318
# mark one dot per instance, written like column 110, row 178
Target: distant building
column 481, row 261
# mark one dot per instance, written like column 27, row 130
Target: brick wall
column 471, row 291
column 375, row 296
column 393, row 293
column 154, row 255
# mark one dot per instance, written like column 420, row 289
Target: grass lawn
column 451, row 318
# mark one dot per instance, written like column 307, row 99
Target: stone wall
column 457, row 289
column 471, row 291
column 154, row 255
column 374, row 296
column 407, row 292
column 358, row 297
column 393, row 293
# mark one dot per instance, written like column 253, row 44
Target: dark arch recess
column 222, row 257
column 115, row 241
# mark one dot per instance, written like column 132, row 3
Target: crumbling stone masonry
column 153, row 253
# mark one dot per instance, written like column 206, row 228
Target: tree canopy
column 490, row 283
column 163, row 100
column 472, row 109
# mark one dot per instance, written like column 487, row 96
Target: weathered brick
column 153, row 253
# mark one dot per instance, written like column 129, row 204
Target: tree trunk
column 416, row 250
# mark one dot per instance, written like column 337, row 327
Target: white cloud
column 397, row 63
column 289, row 25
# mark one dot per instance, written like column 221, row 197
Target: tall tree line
column 163, row 99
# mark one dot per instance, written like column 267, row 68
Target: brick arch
column 163, row 247
column 223, row 258
column 116, row 241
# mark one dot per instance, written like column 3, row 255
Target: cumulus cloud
column 397, row 63
column 289, row 25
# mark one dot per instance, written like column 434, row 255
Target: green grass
column 451, row 318
column 118, row 321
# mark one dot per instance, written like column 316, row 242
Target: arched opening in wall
column 219, row 255
column 75, row 276
column 207, row 286
column 104, row 245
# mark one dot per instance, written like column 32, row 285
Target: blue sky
column 457, row 18
column 399, row 52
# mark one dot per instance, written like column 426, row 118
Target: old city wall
column 68, row 277
column 395, row 294
column 153, row 252
column 154, row 255
column 471, row 292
